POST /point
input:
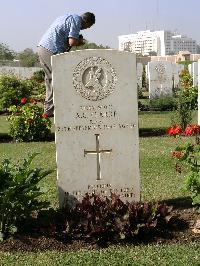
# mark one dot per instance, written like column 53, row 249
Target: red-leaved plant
column 103, row 219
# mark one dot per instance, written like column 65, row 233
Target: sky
column 23, row 22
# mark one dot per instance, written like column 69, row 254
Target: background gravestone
column 160, row 79
column 193, row 69
column 175, row 73
column 147, row 71
column 199, row 92
column 180, row 68
column 20, row 72
column 190, row 69
column 96, row 124
column 195, row 73
column 139, row 74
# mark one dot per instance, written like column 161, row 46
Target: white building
column 160, row 43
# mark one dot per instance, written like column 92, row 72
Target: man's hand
column 76, row 42
column 82, row 41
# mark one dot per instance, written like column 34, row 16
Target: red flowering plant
column 28, row 123
column 23, row 100
column 188, row 154
column 174, row 130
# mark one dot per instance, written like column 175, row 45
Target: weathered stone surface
column 139, row 74
column 96, row 123
column 160, row 79
column 20, row 72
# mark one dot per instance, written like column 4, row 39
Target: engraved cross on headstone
column 98, row 152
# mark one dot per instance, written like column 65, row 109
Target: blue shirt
column 55, row 38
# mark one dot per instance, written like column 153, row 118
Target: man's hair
column 88, row 18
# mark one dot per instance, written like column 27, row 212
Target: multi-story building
column 159, row 43
column 183, row 43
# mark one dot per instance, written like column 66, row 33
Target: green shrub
column 19, row 192
column 38, row 76
column 144, row 79
column 192, row 185
column 12, row 90
column 28, row 123
column 186, row 97
column 39, row 87
column 185, row 78
column 191, row 95
column 39, row 91
column 163, row 104
column 143, row 106
column 183, row 114
column 139, row 93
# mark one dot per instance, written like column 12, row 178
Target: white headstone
column 175, row 73
column 199, row 92
column 96, row 124
column 180, row 68
column 139, row 74
column 147, row 71
column 195, row 73
column 20, row 72
column 160, row 79
column 190, row 69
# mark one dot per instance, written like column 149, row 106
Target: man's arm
column 76, row 42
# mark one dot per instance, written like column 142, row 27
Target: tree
column 28, row 58
column 6, row 53
column 88, row 45
column 144, row 79
column 152, row 53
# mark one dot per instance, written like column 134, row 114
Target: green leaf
column 19, row 192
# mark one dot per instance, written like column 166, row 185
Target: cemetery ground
column 176, row 244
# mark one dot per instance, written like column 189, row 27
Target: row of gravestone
column 96, row 124
column 193, row 69
column 20, row 72
column 163, row 76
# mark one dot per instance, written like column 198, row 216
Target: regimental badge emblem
column 94, row 78
column 161, row 72
column 160, row 68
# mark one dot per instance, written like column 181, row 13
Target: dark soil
column 179, row 229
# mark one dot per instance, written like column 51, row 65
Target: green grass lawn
column 176, row 255
column 158, row 181
column 4, row 125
